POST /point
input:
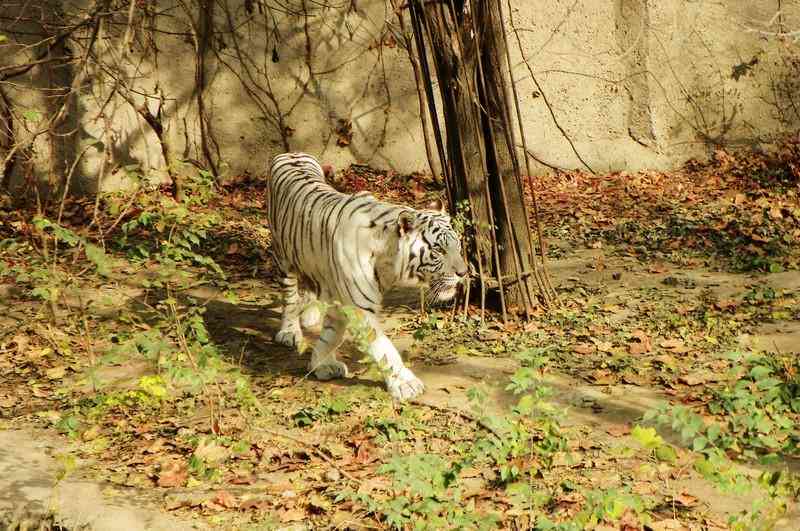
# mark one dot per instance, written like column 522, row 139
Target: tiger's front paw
column 311, row 317
column 329, row 370
column 404, row 385
column 291, row 337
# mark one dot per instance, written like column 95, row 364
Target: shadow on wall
column 235, row 85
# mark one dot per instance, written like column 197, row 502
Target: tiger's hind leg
column 323, row 362
column 290, row 333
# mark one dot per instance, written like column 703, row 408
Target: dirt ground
column 599, row 411
column 141, row 388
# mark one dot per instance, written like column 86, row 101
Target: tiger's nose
column 461, row 268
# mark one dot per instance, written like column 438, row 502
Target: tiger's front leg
column 401, row 383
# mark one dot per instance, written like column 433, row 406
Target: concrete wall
column 622, row 84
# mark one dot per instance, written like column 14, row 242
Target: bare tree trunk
column 480, row 162
column 503, row 171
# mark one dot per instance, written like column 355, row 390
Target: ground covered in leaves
column 662, row 393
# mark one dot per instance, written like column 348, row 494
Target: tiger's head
column 430, row 253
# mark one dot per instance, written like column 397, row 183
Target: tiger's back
column 349, row 249
column 322, row 235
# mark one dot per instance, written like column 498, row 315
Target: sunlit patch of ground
column 649, row 312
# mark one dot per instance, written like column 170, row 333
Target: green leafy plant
column 326, row 409
column 757, row 410
column 429, row 496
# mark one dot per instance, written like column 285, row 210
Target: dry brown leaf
column 604, row 346
column 259, row 504
column 603, row 377
column 156, row 446
column 667, row 525
column 210, row 451
column 698, row 377
column 175, row 475
column 40, row 391
column 8, row 401
column 583, row 348
column 223, row 500
column 56, row 373
column 685, row 499
column 629, row 521
column 293, row 515
column 618, row 430
column 671, row 344
column 637, row 349
column 725, row 304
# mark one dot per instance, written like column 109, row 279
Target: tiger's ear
column 438, row 205
column 405, row 222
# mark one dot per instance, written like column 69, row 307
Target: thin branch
column 543, row 94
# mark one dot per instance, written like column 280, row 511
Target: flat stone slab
column 29, row 488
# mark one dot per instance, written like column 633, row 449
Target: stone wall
column 606, row 84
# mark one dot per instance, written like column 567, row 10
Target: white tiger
column 349, row 250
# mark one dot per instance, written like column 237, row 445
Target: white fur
column 372, row 246
column 401, row 383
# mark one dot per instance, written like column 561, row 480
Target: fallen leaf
column 671, row 344
column 667, row 525
column 604, row 346
column 725, row 304
column 224, row 500
column 685, row 499
column 174, row 475
column 603, row 377
column 210, row 451
column 259, row 504
column 242, row 480
column 293, row 515
column 56, row 373
column 583, row 348
column 39, row 392
column 319, row 502
column 618, row 430
column 185, row 500
column 8, row 401
column 699, row 377
column 629, row 521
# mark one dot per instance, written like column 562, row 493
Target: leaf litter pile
column 144, row 338
column 739, row 213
